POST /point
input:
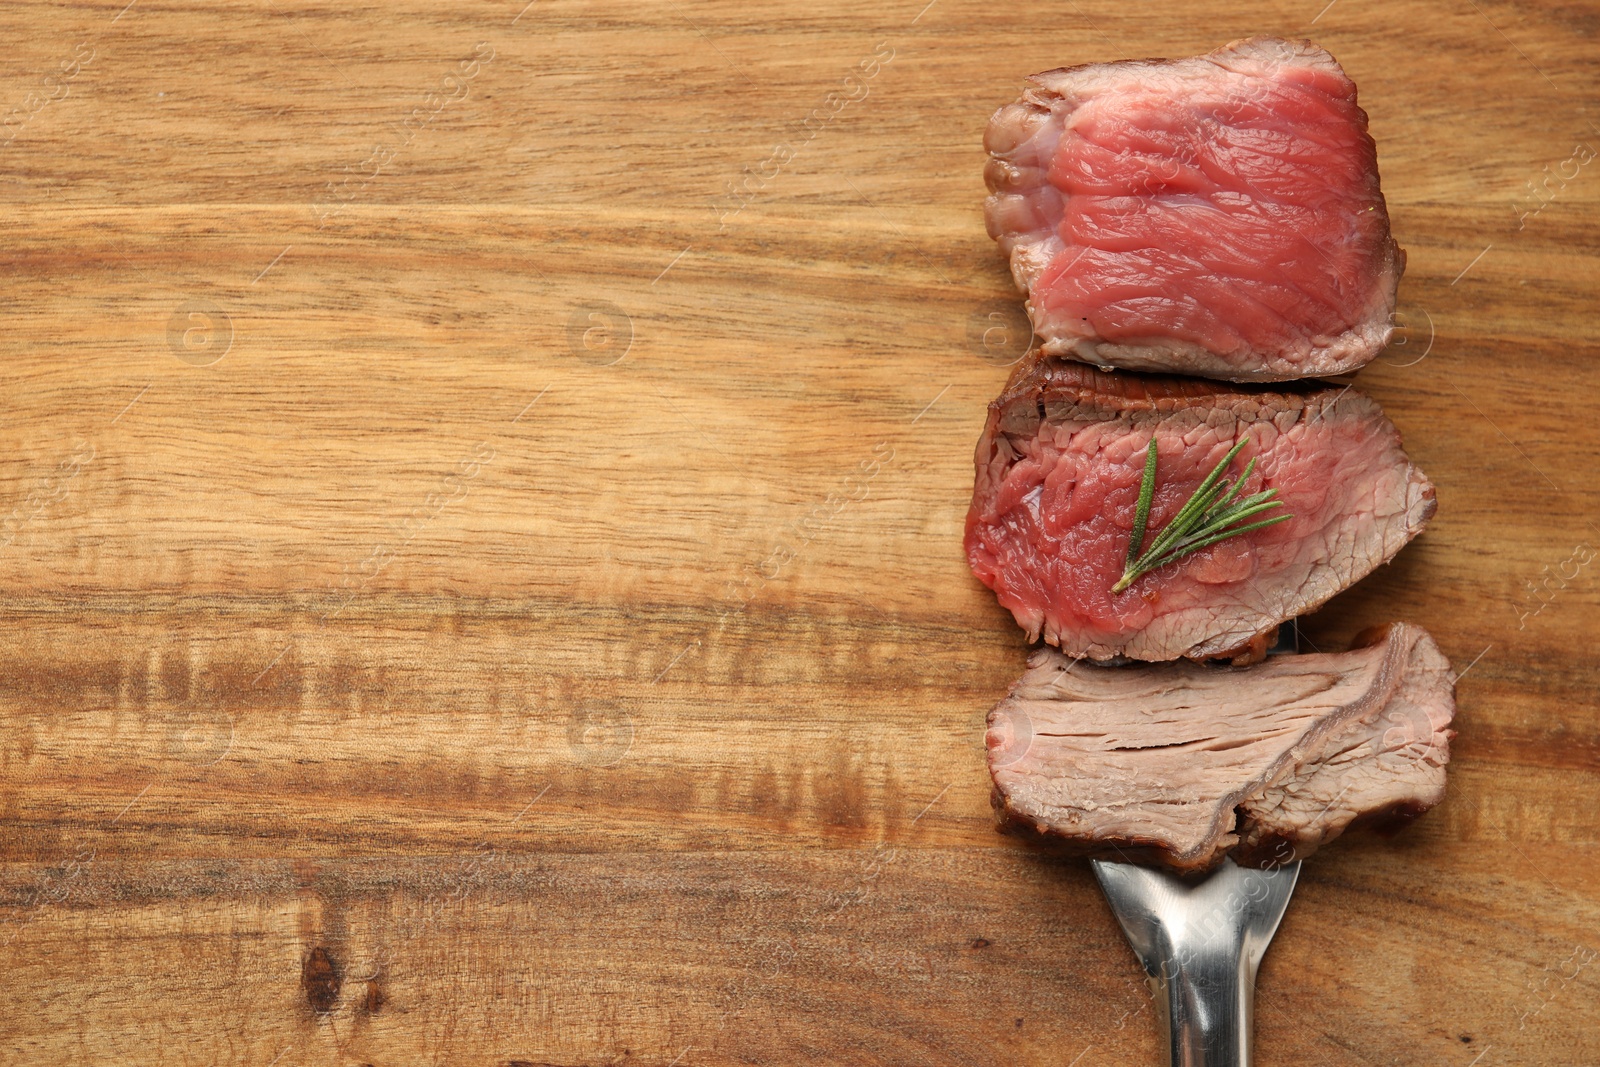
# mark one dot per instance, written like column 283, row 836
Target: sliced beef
column 1059, row 467
column 1218, row 216
column 1182, row 763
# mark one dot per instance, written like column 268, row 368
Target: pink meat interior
column 1053, row 537
column 1237, row 209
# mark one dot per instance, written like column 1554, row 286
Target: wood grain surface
column 480, row 566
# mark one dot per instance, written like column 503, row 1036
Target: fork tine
column 1200, row 944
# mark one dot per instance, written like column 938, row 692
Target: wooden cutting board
column 482, row 579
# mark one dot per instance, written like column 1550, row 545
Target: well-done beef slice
column 1183, row 763
column 1058, row 472
column 1219, row 215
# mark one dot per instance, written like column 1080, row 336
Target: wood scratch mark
column 274, row 663
column 1474, row 263
column 1474, row 662
column 674, row 662
column 1514, row 47
column 131, row 803
column 932, row 802
column 1503, row 437
column 530, row 804
column 530, row 404
column 269, row 266
column 674, row 263
column 932, row 402
column 132, row 402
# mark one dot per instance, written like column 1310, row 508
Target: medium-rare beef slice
column 1219, row 215
column 1181, row 763
column 1059, row 468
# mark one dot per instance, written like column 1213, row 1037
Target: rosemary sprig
column 1209, row 516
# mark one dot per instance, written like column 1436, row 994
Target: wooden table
column 483, row 582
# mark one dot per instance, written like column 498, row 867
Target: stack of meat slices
column 1221, row 217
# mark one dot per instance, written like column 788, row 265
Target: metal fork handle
column 1200, row 945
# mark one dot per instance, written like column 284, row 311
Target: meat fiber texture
column 1059, row 468
column 1218, row 216
column 1182, row 763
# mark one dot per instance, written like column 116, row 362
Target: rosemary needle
column 1210, row 515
